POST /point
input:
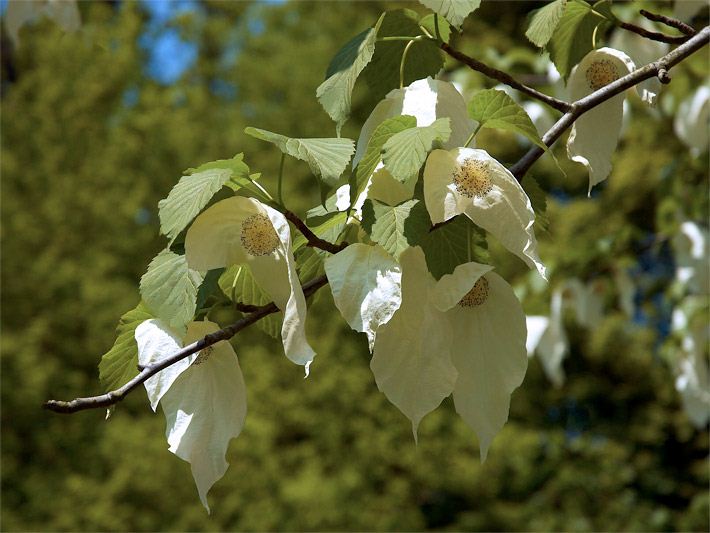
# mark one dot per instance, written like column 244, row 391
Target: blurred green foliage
column 90, row 144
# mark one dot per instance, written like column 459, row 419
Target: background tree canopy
column 97, row 126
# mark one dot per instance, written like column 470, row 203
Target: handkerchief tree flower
column 595, row 134
column 245, row 231
column 471, row 182
column 438, row 320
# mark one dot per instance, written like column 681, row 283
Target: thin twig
column 505, row 78
column 653, row 35
column 312, row 238
column 605, row 93
column 668, row 21
column 115, row 396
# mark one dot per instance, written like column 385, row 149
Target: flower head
column 470, row 181
column 203, row 397
column 242, row 230
column 595, row 134
column 462, row 335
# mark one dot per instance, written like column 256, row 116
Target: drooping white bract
column 692, row 121
column 204, row 401
column 642, row 51
column 595, row 134
column 547, row 338
column 242, row 230
column 586, row 300
column 426, row 100
column 366, row 286
column 412, row 354
column 692, row 366
column 464, row 334
column 626, row 291
column 488, row 348
column 470, row 181
column 690, row 248
column 64, row 13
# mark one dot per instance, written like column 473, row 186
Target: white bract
column 463, row 335
column 595, row 134
column 690, row 247
column 692, row 121
column 548, row 339
column 692, row 366
column 642, row 51
column 366, row 286
column 470, row 181
column 586, row 300
column 426, row 100
column 242, row 230
column 64, row 13
column 203, row 397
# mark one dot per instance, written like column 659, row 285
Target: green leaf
column 427, row 22
column 309, row 262
column 239, row 285
column 538, row 200
column 209, row 286
column 455, row 11
column 423, row 59
column 328, row 227
column 326, row 157
column 574, row 36
column 335, row 93
column 169, row 288
column 495, row 109
column 120, row 363
column 395, row 228
column 544, row 22
column 405, row 152
column 194, row 191
column 373, row 152
column 447, row 246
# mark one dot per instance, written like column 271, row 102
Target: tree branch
column 115, row 396
column 573, row 111
column 658, row 68
column 505, row 78
column 313, row 239
column 668, row 21
column 653, row 35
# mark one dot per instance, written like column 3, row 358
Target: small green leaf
column 373, row 153
column 326, row 157
column 574, row 36
column 448, row 246
column 120, row 363
column 192, row 193
column 239, row 285
column 455, row 11
column 427, row 22
column 544, row 22
column 169, row 288
column 395, row 228
column 405, row 152
column 495, row 109
column 335, row 93
column 538, row 200
column 423, row 59
column 209, row 287
column 328, row 227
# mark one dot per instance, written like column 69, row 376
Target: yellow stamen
column 472, row 178
column 601, row 73
column 477, row 295
column 258, row 235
